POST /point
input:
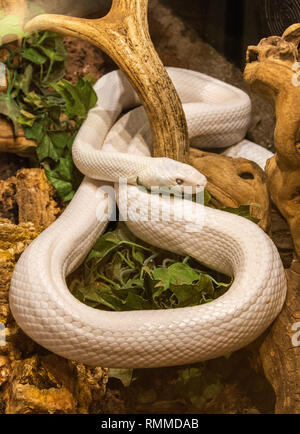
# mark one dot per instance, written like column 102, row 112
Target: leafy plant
column 50, row 109
column 242, row 211
column 121, row 274
column 192, row 385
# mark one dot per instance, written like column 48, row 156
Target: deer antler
column 123, row 35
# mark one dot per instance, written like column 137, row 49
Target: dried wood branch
column 272, row 72
column 228, row 186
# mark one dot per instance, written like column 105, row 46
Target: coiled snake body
column 106, row 149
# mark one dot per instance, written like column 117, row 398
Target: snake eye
column 179, row 181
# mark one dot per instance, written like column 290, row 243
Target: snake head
column 166, row 172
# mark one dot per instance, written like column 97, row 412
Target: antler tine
column 123, row 34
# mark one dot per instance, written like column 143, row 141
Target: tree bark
column 271, row 72
column 33, row 380
column 280, row 356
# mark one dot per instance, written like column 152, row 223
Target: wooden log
column 34, row 197
column 279, row 354
column 14, row 144
column 31, row 381
column 272, row 72
column 229, row 188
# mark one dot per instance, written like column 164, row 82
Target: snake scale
column 108, row 147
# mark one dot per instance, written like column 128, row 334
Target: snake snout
column 195, row 179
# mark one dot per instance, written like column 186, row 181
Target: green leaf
column 112, row 302
column 182, row 274
column 186, row 295
column 64, row 188
column 192, row 295
column 52, row 145
column 87, row 92
column 135, row 302
column 205, row 284
column 46, row 149
column 36, row 132
column 74, row 106
column 60, row 49
column 34, row 56
column 26, row 78
column 138, row 255
column 243, row 211
column 56, row 73
column 103, row 246
column 204, row 391
column 79, row 99
column 65, row 169
column 26, row 118
column 207, row 197
column 212, row 390
column 56, row 54
column 60, row 140
column 9, row 108
column 33, row 99
column 162, row 275
column 61, row 178
column 41, row 37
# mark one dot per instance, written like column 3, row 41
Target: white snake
column 218, row 115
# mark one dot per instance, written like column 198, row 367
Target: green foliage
column 79, row 99
column 242, row 211
column 121, row 274
column 10, row 109
column 197, row 385
column 50, row 109
column 193, row 385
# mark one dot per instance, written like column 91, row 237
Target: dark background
column 228, row 25
column 231, row 25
